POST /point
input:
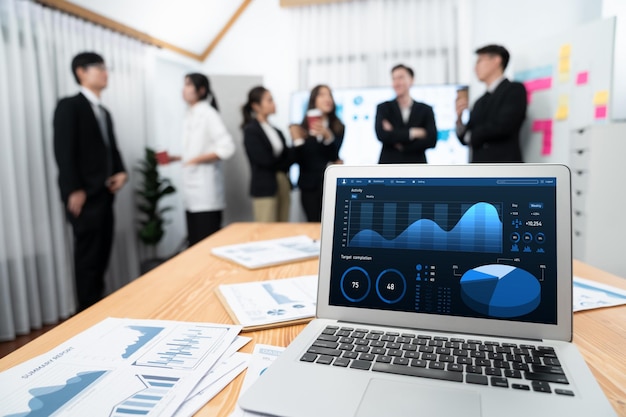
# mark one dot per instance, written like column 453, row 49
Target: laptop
column 443, row 291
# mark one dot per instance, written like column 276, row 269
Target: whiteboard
column 569, row 81
column 356, row 108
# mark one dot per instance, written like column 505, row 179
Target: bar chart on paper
column 445, row 226
column 150, row 391
column 183, row 348
column 118, row 367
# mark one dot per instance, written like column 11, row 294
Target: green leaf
column 152, row 188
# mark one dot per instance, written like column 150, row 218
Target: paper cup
column 313, row 116
column 162, row 157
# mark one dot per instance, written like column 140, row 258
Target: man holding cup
column 492, row 131
column 405, row 127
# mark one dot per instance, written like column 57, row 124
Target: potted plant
column 151, row 221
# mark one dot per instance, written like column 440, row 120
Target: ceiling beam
column 81, row 12
column 244, row 4
column 296, row 3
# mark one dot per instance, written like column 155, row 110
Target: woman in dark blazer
column 317, row 142
column 269, row 156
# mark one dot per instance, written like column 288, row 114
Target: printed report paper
column 264, row 253
column 261, row 303
column 117, row 367
column 590, row 294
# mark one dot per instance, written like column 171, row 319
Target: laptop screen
column 467, row 247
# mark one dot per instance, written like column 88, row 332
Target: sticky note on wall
column 562, row 110
column 582, row 78
column 601, row 98
column 600, row 112
column 545, row 127
column 565, row 51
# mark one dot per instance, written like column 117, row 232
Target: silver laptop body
column 421, row 262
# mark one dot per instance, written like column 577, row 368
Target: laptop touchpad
column 392, row 398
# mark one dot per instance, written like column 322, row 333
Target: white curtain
column 36, row 48
column 356, row 43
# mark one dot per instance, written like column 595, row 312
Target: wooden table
column 183, row 289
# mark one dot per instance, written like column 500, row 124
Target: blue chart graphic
column 500, row 290
column 183, row 348
column 147, row 334
column 479, row 229
column 142, row 402
column 278, row 297
column 48, row 400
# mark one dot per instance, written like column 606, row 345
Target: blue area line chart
column 47, row 400
column 454, row 227
column 117, row 367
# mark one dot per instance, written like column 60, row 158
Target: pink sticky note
column 544, row 126
column 546, row 148
column 535, row 85
column 582, row 78
column 600, row 112
column 541, row 125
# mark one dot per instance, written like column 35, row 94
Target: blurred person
column 316, row 141
column 405, row 127
column 91, row 172
column 206, row 143
column 269, row 156
column 492, row 132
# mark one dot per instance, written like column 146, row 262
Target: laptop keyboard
column 506, row 365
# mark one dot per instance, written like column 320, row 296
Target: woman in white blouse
column 269, row 156
column 206, row 142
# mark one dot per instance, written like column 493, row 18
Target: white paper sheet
column 262, row 358
column 115, row 368
column 266, row 302
column 590, row 294
column 270, row 252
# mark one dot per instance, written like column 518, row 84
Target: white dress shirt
column 204, row 132
column 94, row 100
column 274, row 138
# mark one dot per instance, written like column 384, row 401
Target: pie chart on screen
column 500, row 290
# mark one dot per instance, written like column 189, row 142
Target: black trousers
column 202, row 224
column 312, row 204
column 93, row 239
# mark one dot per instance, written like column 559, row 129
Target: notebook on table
column 443, row 290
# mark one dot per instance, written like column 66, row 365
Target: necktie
column 102, row 122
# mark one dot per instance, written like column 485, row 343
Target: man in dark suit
column 90, row 173
column 404, row 126
column 492, row 132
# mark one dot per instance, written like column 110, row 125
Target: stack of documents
column 265, row 304
column 122, row 367
column 588, row 295
column 262, row 357
column 264, row 253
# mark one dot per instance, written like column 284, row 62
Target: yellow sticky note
column 565, row 50
column 564, row 77
column 564, row 65
column 601, row 97
column 561, row 113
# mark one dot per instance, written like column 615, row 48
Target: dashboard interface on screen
column 471, row 247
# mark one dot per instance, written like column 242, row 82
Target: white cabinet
column 598, row 164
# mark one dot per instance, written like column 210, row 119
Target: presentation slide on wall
column 356, row 107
